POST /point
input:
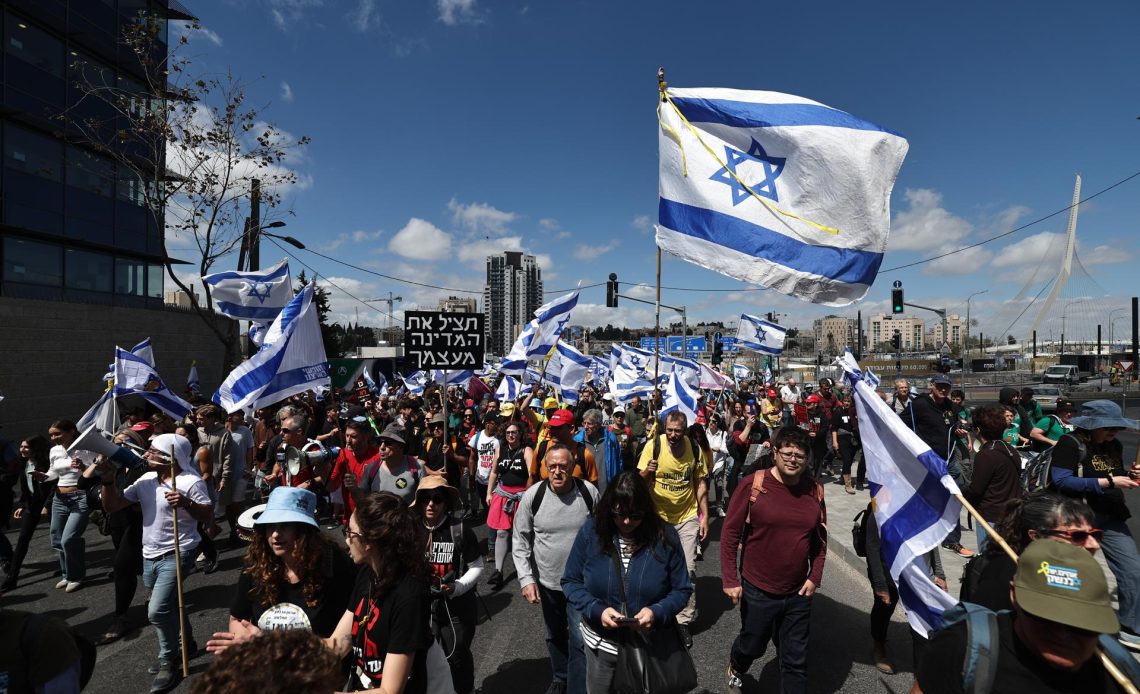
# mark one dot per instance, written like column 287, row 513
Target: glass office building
column 73, row 225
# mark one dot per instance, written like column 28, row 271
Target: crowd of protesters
column 570, row 496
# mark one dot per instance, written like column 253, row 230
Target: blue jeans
column 68, row 521
column 783, row 619
column 162, row 611
column 1120, row 552
column 982, row 535
column 954, row 469
column 564, row 640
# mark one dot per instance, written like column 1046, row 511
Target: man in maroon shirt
column 358, row 453
column 781, row 528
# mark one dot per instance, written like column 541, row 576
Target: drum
column 246, row 520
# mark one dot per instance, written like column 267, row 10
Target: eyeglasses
column 437, row 498
column 792, row 455
column 619, row 513
column 557, row 466
column 350, row 534
column 512, row 433
column 1077, row 537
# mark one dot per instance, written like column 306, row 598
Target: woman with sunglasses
column 625, row 530
column 1089, row 463
column 385, row 630
column 986, row 577
column 293, row 578
column 509, row 480
column 456, row 564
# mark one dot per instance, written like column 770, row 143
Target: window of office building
column 90, row 172
column 32, row 153
column 32, row 262
column 130, row 277
column 88, row 271
column 154, row 280
column 32, row 45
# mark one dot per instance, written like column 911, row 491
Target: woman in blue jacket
column 657, row 585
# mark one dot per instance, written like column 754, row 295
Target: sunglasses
column 437, row 498
column 618, row 513
column 1078, row 537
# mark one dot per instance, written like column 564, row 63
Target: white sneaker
column 72, row 586
column 62, row 584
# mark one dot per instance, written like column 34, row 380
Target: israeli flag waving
column 416, row 383
column 776, row 190
column 760, row 335
column 628, row 382
column 509, row 389
column 741, row 372
column 291, row 361
column 572, row 373
column 540, row 334
column 913, row 499
column 193, row 385
column 256, row 296
column 681, row 397
column 452, row 377
column 136, row 375
column 768, row 374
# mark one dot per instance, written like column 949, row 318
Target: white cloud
column 454, row 12
column 926, row 226
column 362, row 17
column 480, row 218
column 1046, row 247
column 549, row 224
column 211, row 36
column 184, row 30
column 598, row 315
column 475, row 251
column 1105, row 255
column 642, row 223
column 587, row 252
column 287, row 12
column 637, row 291
column 286, row 93
column 966, row 262
column 421, row 240
column 357, row 237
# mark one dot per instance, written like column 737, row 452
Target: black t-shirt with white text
column 393, row 622
column 332, row 600
column 511, row 470
column 441, row 551
column 1019, row 670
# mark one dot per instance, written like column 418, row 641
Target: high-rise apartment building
column 512, row 294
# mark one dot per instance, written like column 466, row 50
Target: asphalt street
column 509, row 647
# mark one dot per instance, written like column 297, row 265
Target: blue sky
column 446, row 129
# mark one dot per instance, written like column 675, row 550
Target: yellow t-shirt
column 673, row 488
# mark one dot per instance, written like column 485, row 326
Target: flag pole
column 178, row 574
column 1109, row 666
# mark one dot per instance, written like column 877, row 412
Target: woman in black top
column 508, row 481
column 844, row 428
column 997, row 470
column 35, row 500
column 293, row 577
column 385, row 630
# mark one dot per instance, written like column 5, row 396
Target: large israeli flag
column 540, row 334
column 679, row 396
column 255, row 296
column 136, row 375
column 760, row 335
column 573, row 367
column 628, row 382
column 776, row 190
column 913, row 499
column 291, row 361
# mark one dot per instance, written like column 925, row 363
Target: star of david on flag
column 254, row 296
column 776, row 190
column 760, row 335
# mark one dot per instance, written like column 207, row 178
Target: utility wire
column 334, row 284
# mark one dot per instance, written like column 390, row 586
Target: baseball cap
column 772, row 393
column 1062, row 583
column 941, row 379
column 813, row 398
column 550, row 403
column 561, row 418
column 507, row 409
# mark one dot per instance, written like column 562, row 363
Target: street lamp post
column 969, row 352
column 1111, row 323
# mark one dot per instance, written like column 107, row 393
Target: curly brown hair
column 301, row 664
column 396, row 533
column 311, row 551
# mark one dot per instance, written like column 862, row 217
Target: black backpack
column 1038, row 473
column 536, row 501
column 30, row 634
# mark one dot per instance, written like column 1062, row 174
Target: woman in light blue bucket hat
column 293, row 577
column 1089, row 463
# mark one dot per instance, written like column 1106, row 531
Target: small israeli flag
column 776, row 190
column 680, row 397
column 740, row 372
column 452, row 377
column 416, row 383
column 572, row 371
column 509, row 389
column 134, row 375
column 760, row 335
column 192, row 383
column 255, row 296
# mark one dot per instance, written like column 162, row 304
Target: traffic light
column 717, row 352
column 896, row 341
column 612, row 291
column 897, row 300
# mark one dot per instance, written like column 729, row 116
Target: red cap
column 144, row 427
column 813, row 398
column 561, row 418
column 772, row 393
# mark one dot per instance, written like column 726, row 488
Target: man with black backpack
column 1047, row 643
column 548, row 518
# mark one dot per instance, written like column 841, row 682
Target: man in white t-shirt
column 484, row 446
column 159, row 500
column 791, row 395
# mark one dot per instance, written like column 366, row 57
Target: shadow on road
column 520, row 677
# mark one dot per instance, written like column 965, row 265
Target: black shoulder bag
column 650, row 662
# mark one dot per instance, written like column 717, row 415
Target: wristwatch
column 1111, row 482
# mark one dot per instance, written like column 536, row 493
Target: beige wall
column 53, row 356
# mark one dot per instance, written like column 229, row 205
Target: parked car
column 1047, row 397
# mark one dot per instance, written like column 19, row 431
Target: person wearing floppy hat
column 172, row 487
column 293, row 577
column 456, row 563
column 1089, row 463
column 1048, row 643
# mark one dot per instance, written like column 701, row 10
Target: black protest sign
column 438, row 340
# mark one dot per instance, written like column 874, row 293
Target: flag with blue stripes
column 681, row 397
column 768, row 374
column 136, row 375
column 913, row 498
column 144, row 350
column 601, row 370
column 776, row 190
column 740, row 372
column 509, row 389
column 291, row 361
column 102, row 413
column 453, row 377
column 689, row 370
column 540, row 334
column 759, row 335
column 628, row 382
column 416, row 383
column 193, row 385
column 257, row 296
column 572, row 371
